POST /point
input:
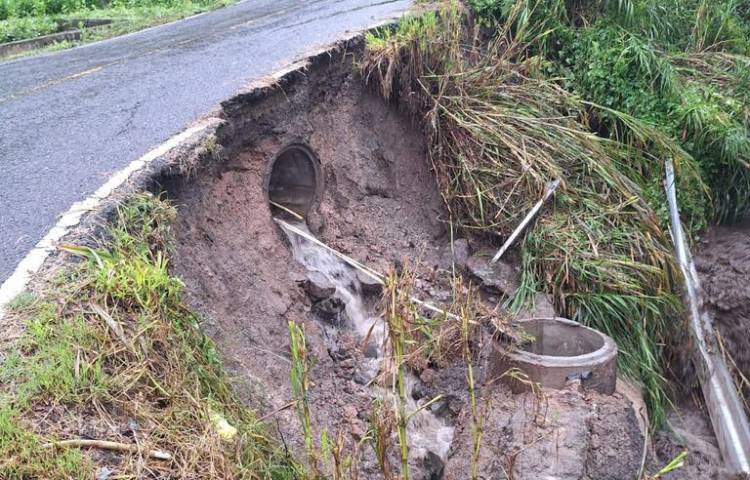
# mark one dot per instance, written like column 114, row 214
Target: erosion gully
column 429, row 434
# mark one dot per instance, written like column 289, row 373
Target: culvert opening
column 293, row 181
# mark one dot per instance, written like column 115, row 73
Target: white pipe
column 724, row 407
column 549, row 190
column 378, row 277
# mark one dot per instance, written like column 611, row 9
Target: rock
column 318, row 287
column 371, row 350
column 419, row 390
column 433, row 466
column 329, row 309
column 461, row 252
column 370, row 286
column 449, row 406
column 316, row 222
column 495, row 277
column 543, row 308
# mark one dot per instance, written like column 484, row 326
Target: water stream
column 427, row 432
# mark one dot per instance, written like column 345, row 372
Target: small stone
column 318, row 287
column 461, row 252
column 498, row 277
column 329, row 309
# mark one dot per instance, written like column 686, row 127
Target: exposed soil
column 723, row 264
column 380, row 206
column 560, row 434
column 722, row 259
column 689, row 430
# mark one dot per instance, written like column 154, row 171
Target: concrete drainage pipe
column 294, row 179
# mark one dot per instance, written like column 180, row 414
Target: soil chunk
column 560, row 434
column 723, row 263
column 498, row 277
column 318, row 287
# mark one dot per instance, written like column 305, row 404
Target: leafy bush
column 22, row 28
column 597, row 93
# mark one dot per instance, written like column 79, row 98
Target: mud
column 723, row 264
column 561, row 434
column 689, row 430
column 379, row 205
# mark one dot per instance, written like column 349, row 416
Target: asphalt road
column 70, row 119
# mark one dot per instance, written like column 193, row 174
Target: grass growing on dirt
column 680, row 67
column 25, row 19
column 500, row 129
column 110, row 353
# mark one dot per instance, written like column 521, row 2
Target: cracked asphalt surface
column 70, row 119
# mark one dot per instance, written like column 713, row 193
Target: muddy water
column 429, row 435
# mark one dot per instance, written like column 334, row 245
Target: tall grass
column 300, row 379
column 499, row 131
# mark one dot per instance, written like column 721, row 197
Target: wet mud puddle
column 429, row 435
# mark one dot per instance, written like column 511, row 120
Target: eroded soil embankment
column 379, row 204
column 723, row 264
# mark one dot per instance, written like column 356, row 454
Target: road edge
column 181, row 152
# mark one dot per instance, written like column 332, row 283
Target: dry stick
column 725, row 410
column 112, row 324
column 287, row 210
column 549, row 190
column 107, row 445
column 378, row 277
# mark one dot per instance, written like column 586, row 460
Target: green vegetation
column 597, row 94
column 110, row 353
column 23, row 19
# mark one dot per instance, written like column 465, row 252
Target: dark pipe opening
column 294, row 179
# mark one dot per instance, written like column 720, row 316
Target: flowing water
column 427, row 432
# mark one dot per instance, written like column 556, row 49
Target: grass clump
column 25, row 19
column 499, row 131
column 110, row 353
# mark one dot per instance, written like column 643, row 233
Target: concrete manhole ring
column 562, row 350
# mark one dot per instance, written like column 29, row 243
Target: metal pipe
column 548, row 191
column 724, row 407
